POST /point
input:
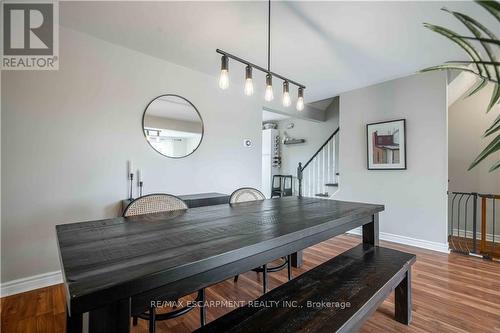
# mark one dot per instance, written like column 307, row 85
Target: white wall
column 67, row 135
column 467, row 122
column 315, row 133
column 414, row 199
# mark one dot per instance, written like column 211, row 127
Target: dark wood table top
column 128, row 256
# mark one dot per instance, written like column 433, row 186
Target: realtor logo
column 30, row 36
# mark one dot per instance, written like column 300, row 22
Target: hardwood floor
column 451, row 293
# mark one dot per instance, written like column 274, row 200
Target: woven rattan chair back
column 246, row 194
column 154, row 203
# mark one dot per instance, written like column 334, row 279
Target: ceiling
column 331, row 47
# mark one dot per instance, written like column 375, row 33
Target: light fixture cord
column 269, row 37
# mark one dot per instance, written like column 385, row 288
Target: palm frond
column 477, row 29
column 491, row 6
column 454, row 37
column 459, row 62
column 485, row 40
column 480, row 84
column 452, row 67
column 495, row 97
column 494, row 127
column 492, row 147
column 495, row 166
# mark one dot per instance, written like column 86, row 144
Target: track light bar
column 262, row 69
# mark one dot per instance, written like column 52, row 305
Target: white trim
column 425, row 244
column 30, row 283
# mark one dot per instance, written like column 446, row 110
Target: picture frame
column 386, row 145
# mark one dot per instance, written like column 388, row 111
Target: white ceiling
column 331, row 47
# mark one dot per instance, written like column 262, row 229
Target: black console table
column 196, row 200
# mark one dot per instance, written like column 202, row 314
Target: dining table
column 114, row 268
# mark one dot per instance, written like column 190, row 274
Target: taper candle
column 130, row 168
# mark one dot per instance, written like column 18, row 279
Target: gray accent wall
column 415, row 199
column 66, row 137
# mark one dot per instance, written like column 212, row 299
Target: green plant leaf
column 495, row 97
column 493, row 128
column 454, row 37
column 491, row 6
column 492, row 147
column 495, row 166
column 486, row 40
column 446, row 67
column 458, row 62
column 475, row 28
column 480, row 84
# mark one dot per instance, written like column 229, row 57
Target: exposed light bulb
column 287, row 101
column 224, row 73
column 248, row 81
column 248, row 87
column 224, row 79
column 269, row 96
column 300, row 100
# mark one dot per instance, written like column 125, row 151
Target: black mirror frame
column 194, row 107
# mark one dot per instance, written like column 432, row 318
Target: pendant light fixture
column 248, row 81
column 224, row 73
column 300, row 100
column 287, row 101
column 269, row 94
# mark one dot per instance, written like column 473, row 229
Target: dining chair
column 156, row 203
column 246, row 194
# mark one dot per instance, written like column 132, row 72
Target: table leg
column 370, row 231
column 403, row 300
column 297, row 259
column 74, row 323
column 114, row 318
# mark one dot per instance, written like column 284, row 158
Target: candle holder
column 131, row 179
column 141, row 184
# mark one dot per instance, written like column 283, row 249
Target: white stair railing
column 319, row 177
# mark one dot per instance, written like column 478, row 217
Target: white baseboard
column 425, row 244
column 30, row 283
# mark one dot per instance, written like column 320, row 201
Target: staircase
column 318, row 177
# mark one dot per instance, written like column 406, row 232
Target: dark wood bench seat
column 336, row 296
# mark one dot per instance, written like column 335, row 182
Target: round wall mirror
column 172, row 126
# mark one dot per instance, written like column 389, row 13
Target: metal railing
column 472, row 224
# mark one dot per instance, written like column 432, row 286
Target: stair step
column 332, row 184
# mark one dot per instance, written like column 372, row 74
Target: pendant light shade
column 300, row 100
column 287, row 101
column 248, row 81
column 269, row 96
column 224, row 73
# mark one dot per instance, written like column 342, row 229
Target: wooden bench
column 337, row 296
